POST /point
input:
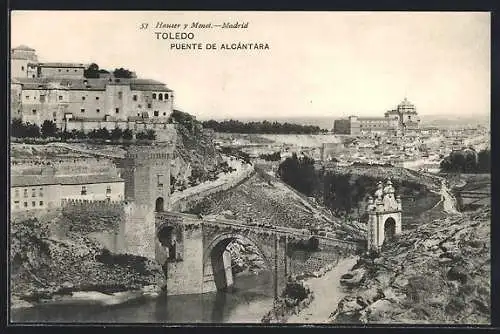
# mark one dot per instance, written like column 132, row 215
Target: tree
column 484, row 161
column 32, row 130
column 127, row 134
column 150, row 134
column 49, row 129
column 116, row 134
column 92, row 71
column 18, row 129
column 122, row 73
column 103, row 133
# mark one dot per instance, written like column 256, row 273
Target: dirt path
column 327, row 294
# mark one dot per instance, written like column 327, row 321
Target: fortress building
column 61, row 93
column 403, row 119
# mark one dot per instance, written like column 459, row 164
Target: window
column 25, row 204
column 16, row 193
column 42, row 98
column 33, row 204
column 76, row 70
column 120, row 95
column 41, row 203
column 33, row 192
column 16, row 203
column 83, row 98
column 34, row 111
column 154, row 96
column 160, row 97
column 54, row 114
column 108, row 190
column 134, row 97
column 82, row 110
column 164, row 114
column 84, row 190
column 67, row 70
column 97, row 97
column 25, row 193
column 117, row 110
column 156, row 112
column 59, row 70
column 149, row 105
column 27, row 97
column 166, row 96
column 40, row 192
column 98, row 110
column 160, row 181
column 60, row 97
column 22, row 68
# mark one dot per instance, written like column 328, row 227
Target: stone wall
column 139, row 230
column 182, row 201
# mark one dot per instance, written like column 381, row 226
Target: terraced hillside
column 264, row 201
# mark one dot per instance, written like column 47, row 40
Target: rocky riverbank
column 438, row 273
column 45, row 269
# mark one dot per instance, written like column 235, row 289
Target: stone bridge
column 194, row 256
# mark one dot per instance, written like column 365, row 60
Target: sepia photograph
column 249, row 167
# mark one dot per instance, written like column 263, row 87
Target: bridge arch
column 213, row 258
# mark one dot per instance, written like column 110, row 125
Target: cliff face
column 194, row 149
column 438, row 273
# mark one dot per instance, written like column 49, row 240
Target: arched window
column 154, row 96
column 160, row 97
column 159, row 204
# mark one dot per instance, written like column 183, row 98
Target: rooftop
column 70, row 65
column 38, row 180
column 91, row 84
column 23, row 48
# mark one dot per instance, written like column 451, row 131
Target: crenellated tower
column 146, row 171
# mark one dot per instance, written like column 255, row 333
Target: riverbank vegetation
column 467, row 161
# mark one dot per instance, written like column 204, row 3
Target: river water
column 249, row 299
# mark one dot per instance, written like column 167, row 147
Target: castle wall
column 139, row 230
column 18, row 68
column 68, row 72
column 183, row 200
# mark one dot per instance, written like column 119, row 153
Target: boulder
column 457, row 273
column 377, row 311
column 353, row 278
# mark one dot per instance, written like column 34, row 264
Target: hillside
column 264, row 201
column 438, row 273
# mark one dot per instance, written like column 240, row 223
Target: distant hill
column 442, row 121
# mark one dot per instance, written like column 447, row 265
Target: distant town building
column 403, row 119
column 330, row 151
column 60, row 92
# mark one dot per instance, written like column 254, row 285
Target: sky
column 319, row 64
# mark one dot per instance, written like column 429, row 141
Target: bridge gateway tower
column 384, row 216
column 146, row 171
